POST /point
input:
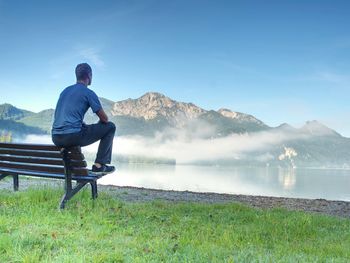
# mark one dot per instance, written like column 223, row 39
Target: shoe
column 104, row 169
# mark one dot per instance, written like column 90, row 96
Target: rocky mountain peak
column 316, row 128
column 155, row 101
column 240, row 117
column 285, row 126
column 152, row 96
column 153, row 104
column 228, row 113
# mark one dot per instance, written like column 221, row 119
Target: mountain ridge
column 154, row 115
column 158, row 108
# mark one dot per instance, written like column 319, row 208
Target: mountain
column 42, row 120
column 154, row 105
column 128, row 118
column 9, row 112
column 241, row 117
column 228, row 122
column 155, row 115
column 154, row 112
column 318, row 129
column 10, row 121
column 286, row 127
column 18, row 129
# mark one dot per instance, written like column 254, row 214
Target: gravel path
column 134, row 194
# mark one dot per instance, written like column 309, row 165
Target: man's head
column 83, row 73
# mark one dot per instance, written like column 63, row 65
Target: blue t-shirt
column 71, row 107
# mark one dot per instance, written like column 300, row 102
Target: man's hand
column 102, row 115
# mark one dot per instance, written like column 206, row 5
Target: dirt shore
column 134, row 194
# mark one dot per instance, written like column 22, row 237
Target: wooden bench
column 47, row 161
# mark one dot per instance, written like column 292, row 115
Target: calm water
column 304, row 183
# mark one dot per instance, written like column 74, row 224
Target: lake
column 303, row 183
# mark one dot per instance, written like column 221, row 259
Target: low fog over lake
column 287, row 181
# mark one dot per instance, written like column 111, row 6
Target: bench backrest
column 42, row 158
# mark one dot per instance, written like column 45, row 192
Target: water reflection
column 287, row 178
column 269, row 181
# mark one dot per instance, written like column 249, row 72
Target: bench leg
column 94, row 189
column 70, row 193
column 64, row 200
column 2, row 176
column 15, row 182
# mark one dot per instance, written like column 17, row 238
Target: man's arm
column 102, row 115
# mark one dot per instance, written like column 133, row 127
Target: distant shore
column 136, row 194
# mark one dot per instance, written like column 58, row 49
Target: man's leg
column 66, row 140
column 99, row 131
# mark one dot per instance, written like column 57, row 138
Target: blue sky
column 281, row 61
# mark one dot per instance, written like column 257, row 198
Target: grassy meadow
column 32, row 229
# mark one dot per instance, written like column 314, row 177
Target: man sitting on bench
column 69, row 129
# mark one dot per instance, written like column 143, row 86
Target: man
column 69, row 129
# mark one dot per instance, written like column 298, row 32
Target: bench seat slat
column 44, row 154
column 31, row 153
column 41, row 168
column 88, row 177
column 27, row 146
column 37, row 160
column 40, row 160
column 40, row 147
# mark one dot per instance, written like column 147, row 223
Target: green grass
column 32, row 229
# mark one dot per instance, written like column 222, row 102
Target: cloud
column 194, row 143
column 64, row 65
column 327, row 76
column 334, row 78
column 39, row 139
column 187, row 150
column 93, row 56
column 237, row 146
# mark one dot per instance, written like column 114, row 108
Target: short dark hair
column 82, row 71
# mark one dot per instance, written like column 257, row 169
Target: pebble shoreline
column 136, row 194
